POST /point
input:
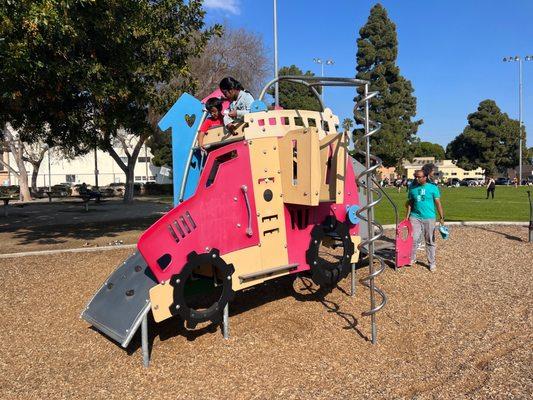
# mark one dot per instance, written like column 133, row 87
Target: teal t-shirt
column 422, row 198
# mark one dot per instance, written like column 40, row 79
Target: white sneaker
column 432, row 267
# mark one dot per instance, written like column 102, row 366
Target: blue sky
column 451, row 50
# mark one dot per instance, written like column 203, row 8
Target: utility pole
column 276, row 69
column 520, row 97
column 322, row 62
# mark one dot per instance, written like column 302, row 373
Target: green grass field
column 462, row 204
column 466, row 204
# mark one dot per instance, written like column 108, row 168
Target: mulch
column 464, row 331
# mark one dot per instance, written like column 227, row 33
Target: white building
column 445, row 169
column 55, row 170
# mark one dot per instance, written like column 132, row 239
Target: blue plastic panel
column 183, row 118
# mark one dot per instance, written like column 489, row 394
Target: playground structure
column 281, row 195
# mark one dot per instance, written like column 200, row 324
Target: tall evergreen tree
column 395, row 106
column 488, row 141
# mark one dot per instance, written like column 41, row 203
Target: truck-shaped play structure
column 277, row 196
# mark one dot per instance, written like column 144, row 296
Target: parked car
column 118, row 188
column 471, row 182
column 62, row 190
column 453, row 182
column 503, row 181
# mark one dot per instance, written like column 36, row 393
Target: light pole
column 49, row 172
column 520, row 122
column 322, row 62
column 276, row 86
column 47, row 147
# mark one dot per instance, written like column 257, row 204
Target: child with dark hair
column 429, row 171
column 214, row 108
column 240, row 99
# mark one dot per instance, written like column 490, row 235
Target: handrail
column 396, row 217
column 312, row 81
column 244, row 189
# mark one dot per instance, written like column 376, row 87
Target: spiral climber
column 375, row 230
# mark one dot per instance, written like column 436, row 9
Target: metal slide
column 119, row 306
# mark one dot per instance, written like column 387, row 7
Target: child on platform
column 241, row 100
column 214, row 108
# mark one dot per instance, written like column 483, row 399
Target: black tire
column 323, row 273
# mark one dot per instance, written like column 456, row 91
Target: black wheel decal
column 329, row 275
column 213, row 313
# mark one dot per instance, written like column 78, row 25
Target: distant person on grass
column 423, row 198
column 491, row 186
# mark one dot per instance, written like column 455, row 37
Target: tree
column 489, row 141
column 295, row 96
column 14, row 144
column 428, row 149
column 106, row 68
column 237, row 53
column 347, row 124
column 394, row 106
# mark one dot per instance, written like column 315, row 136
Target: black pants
column 490, row 191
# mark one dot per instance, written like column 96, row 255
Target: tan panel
column 327, row 190
column 355, row 240
column 280, row 122
column 161, row 299
column 220, row 135
column 340, row 160
column 266, row 171
column 305, row 188
column 245, row 261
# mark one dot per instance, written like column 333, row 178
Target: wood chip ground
column 464, row 331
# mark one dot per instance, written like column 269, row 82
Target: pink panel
column 404, row 246
column 218, row 213
column 299, row 235
column 351, row 194
column 272, row 121
column 261, row 122
column 218, row 93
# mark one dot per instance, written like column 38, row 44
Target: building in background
column 82, row 169
column 445, row 169
column 387, row 173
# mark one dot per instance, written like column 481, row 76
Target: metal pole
column 225, row 322
column 276, row 71
column 520, row 121
column 530, row 217
column 49, row 172
column 322, row 92
column 144, row 340
column 146, row 161
column 95, row 167
column 370, row 227
column 352, row 293
column 188, row 162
